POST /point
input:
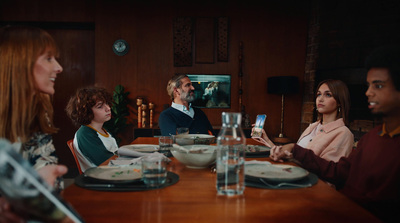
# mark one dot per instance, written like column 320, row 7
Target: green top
column 93, row 146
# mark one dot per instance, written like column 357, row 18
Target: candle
column 139, row 102
column 144, row 107
column 151, row 107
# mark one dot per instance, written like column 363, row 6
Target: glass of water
column 165, row 143
column 154, row 170
column 182, row 130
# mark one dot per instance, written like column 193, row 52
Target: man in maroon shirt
column 371, row 174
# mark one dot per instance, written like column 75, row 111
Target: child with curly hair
column 90, row 109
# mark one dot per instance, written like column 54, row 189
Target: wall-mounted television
column 211, row 90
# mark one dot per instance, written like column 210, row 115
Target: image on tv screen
column 211, row 90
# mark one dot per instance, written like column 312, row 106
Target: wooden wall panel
column 47, row 10
column 222, row 39
column 183, row 41
column 78, row 71
column 204, row 40
column 274, row 40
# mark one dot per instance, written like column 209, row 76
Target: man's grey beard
column 185, row 96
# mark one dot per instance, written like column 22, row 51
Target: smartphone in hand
column 257, row 131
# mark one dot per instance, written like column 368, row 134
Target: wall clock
column 120, row 47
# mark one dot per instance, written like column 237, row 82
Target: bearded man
column 181, row 113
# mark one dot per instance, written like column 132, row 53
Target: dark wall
column 273, row 35
column 274, row 41
column 349, row 30
column 71, row 23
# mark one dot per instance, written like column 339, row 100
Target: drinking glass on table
column 154, row 170
column 165, row 143
column 182, row 130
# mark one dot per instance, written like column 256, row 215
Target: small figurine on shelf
column 247, row 123
column 151, row 107
column 139, row 102
column 144, row 108
column 245, row 118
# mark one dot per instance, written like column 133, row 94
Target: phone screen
column 260, row 120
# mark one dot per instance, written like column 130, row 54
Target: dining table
column 194, row 198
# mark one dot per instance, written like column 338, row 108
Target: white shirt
column 183, row 109
column 305, row 140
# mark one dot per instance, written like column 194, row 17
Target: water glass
column 165, row 143
column 154, row 170
column 182, row 130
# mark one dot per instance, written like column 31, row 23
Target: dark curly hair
column 79, row 108
column 387, row 56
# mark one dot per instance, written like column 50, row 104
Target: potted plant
column 119, row 111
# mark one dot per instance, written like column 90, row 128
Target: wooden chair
column 70, row 144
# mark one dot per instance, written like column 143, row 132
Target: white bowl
column 192, row 139
column 195, row 156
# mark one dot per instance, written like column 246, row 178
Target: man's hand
column 279, row 153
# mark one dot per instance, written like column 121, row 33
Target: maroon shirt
column 370, row 175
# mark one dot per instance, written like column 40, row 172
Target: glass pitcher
column 231, row 143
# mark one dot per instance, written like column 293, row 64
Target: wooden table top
column 194, row 199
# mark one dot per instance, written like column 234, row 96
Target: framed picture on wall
column 211, row 90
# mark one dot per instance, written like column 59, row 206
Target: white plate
column 255, row 149
column 115, row 173
column 275, row 172
column 143, row 148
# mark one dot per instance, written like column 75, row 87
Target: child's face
column 383, row 98
column 102, row 112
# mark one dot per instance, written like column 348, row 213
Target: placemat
column 255, row 182
column 257, row 154
column 103, row 185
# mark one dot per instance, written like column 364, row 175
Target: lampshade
column 283, row 85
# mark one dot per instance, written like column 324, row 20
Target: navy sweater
column 171, row 119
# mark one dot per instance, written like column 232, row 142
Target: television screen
column 211, row 90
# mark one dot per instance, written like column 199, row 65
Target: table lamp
column 283, row 85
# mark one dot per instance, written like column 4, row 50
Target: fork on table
column 284, row 184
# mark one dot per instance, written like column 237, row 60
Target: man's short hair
column 386, row 57
column 175, row 82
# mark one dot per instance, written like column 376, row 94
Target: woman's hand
column 279, row 153
column 263, row 139
column 51, row 172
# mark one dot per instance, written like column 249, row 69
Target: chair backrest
column 70, row 144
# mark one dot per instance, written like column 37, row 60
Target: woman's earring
column 339, row 109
